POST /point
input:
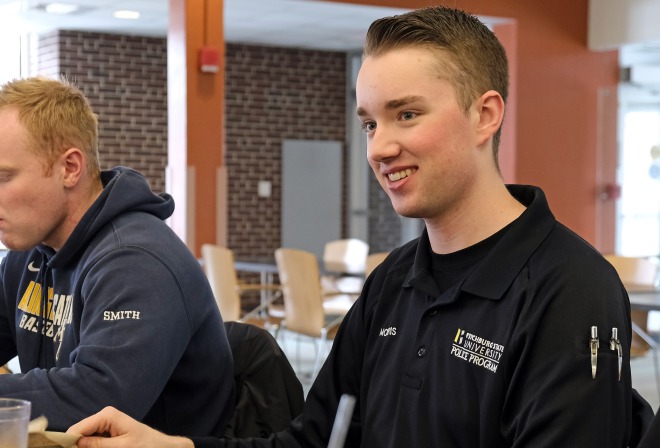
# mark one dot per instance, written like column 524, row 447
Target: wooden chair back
column 373, row 260
column 301, row 289
column 634, row 270
column 219, row 267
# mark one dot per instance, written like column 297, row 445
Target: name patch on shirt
column 391, row 331
column 477, row 350
column 120, row 315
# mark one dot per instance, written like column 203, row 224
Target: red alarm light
column 209, row 60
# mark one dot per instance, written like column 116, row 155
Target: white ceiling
column 296, row 23
column 290, row 23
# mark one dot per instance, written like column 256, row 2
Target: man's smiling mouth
column 400, row 174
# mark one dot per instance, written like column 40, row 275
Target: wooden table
column 646, row 298
column 267, row 268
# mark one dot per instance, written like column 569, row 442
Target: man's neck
column 80, row 200
column 473, row 221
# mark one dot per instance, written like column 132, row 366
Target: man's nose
column 382, row 146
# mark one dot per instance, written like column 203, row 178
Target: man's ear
column 73, row 166
column 490, row 107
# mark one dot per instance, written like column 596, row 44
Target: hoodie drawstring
column 42, row 278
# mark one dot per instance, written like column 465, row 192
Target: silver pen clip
column 593, row 345
column 615, row 344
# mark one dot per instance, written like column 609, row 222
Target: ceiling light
column 61, row 8
column 126, row 14
column 11, row 8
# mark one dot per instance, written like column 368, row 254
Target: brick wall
column 272, row 94
column 124, row 78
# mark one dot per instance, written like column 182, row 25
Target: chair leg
column 320, row 354
column 278, row 332
column 275, row 329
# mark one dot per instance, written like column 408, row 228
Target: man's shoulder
column 564, row 240
column 137, row 228
column 567, row 253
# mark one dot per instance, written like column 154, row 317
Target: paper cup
column 14, row 418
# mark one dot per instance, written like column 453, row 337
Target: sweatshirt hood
column 124, row 190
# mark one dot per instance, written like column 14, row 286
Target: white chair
column 346, row 256
column 344, row 263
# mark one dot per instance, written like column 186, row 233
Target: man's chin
column 407, row 212
column 8, row 245
column 15, row 246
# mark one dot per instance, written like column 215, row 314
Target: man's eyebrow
column 393, row 104
column 399, row 102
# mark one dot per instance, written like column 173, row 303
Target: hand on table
column 123, row 431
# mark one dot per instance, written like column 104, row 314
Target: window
column 10, row 55
column 10, row 68
column 638, row 229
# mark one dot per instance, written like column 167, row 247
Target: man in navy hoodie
column 102, row 303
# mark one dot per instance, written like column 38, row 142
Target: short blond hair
column 56, row 115
column 478, row 61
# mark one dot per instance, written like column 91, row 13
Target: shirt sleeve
column 553, row 398
column 123, row 362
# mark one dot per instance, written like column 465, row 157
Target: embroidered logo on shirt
column 31, row 267
column 477, row 350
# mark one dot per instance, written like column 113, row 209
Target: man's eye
column 368, row 126
column 408, row 115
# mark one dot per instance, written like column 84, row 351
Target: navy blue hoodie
column 127, row 319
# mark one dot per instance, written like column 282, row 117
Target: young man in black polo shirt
column 498, row 327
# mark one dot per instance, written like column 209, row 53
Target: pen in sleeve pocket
column 593, row 345
column 615, row 344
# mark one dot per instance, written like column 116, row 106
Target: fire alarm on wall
column 209, row 60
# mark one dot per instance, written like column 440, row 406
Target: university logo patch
column 477, row 350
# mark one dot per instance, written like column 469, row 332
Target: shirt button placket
column 421, row 350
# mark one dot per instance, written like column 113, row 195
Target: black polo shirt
column 502, row 359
